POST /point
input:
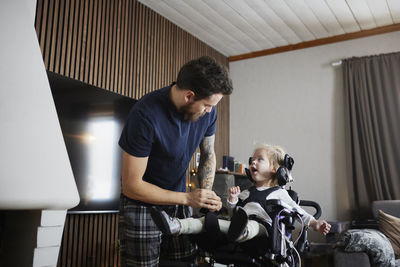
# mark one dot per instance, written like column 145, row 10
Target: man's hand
column 203, row 198
column 234, row 192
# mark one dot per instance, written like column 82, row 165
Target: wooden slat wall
column 124, row 47
column 90, row 240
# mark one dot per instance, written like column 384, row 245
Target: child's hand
column 322, row 227
column 233, row 194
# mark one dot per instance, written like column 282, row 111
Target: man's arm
column 134, row 187
column 206, row 172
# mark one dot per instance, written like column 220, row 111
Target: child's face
column 261, row 170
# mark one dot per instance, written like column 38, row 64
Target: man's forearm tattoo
column 207, row 163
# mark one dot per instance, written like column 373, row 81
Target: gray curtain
column 372, row 93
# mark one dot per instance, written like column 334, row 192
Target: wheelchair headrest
column 283, row 174
column 288, row 162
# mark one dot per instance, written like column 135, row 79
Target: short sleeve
column 138, row 135
column 213, row 121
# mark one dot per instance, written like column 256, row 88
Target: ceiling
column 236, row 27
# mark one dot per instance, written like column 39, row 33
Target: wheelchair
column 275, row 249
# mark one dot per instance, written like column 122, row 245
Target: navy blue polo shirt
column 156, row 129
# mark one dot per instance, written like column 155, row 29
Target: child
column 264, row 164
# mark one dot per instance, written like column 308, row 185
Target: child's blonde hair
column 276, row 155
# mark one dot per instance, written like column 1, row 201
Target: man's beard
column 189, row 115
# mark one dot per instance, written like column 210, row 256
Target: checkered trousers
column 140, row 238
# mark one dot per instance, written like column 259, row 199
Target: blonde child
column 265, row 162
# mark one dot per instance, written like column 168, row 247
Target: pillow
column 390, row 226
column 371, row 241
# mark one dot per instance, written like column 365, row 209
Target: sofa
column 346, row 255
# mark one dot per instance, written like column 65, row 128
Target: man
column 163, row 130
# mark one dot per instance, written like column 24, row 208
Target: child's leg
column 174, row 226
column 196, row 226
column 238, row 225
column 191, row 225
column 253, row 229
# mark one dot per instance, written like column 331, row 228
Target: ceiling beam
column 317, row 42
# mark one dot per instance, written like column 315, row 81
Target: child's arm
column 233, row 194
column 320, row 226
column 232, row 199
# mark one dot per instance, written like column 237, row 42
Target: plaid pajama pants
column 140, row 238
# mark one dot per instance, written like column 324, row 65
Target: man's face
column 193, row 110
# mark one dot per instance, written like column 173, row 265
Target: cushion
column 371, row 241
column 390, row 226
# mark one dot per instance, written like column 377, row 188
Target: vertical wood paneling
column 90, row 240
column 125, row 47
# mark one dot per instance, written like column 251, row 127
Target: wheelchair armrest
column 315, row 205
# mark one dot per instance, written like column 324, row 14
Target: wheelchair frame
column 280, row 250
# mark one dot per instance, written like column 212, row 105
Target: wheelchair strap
column 258, row 196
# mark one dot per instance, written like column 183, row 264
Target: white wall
column 295, row 99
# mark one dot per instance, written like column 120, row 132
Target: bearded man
column 162, row 132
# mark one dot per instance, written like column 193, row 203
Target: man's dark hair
column 205, row 77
